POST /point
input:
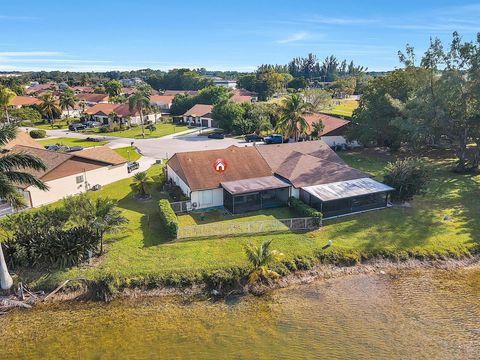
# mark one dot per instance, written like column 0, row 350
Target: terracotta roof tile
column 25, row 101
column 330, row 123
column 92, row 97
column 199, row 110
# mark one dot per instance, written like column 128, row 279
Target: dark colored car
column 253, row 137
column 76, row 127
column 133, row 165
column 92, row 124
column 216, row 135
column 274, row 139
column 52, row 147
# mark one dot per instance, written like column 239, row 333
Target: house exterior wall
column 207, row 198
column 172, row 175
column 66, row 186
column 338, row 140
column 197, row 121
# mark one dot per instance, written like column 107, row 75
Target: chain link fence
column 247, row 227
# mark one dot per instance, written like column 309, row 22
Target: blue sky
column 220, row 35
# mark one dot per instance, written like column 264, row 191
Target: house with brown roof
column 242, row 95
column 265, row 176
column 334, row 129
column 68, row 173
column 93, row 99
column 199, row 115
column 164, row 102
column 119, row 113
column 20, row 101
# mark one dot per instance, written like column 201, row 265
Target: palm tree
column 6, row 97
column 49, row 107
column 261, row 257
column 317, row 129
column 140, row 101
column 101, row 215
column 12, row 174
column 292, row 121
column 67, row 100
column 142, row 181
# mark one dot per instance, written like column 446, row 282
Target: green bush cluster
column 307, row 211
column 169, row 218
column 38, row 134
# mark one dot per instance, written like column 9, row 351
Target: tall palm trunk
column 6, row 114
column 6, row 280
column 143, row 125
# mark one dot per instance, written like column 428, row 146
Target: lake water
column 409, row 314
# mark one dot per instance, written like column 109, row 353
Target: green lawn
column 144, row 255
column 136, row 132
column 345, row 108
column 58, row 124
column 128, row 153
column 64, row 141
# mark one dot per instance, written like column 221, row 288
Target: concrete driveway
column 160, row 148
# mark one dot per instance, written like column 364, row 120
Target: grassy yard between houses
column 58, row 124
column 136, row 132
column 143, row 255
column 65, row 141
column 128, row 153
column 345, row 108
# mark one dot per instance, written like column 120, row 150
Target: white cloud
column 293, row 38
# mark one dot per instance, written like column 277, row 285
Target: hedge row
column 303, row 209
column 169, row 218
column 38, row 134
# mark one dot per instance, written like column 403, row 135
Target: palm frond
column 24, row 178
column 7, row 133
column 20, row 160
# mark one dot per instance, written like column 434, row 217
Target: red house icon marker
column 220, row 165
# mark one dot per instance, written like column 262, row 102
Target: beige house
column 199, row 115
column 70, row 173
column 102, row 112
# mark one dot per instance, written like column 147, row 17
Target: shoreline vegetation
column 439, row 228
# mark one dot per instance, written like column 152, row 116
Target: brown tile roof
column 105, row 109
column 93, row 97
column 241, row 98
column 22, row 139
column 83, row 89
column 25, row 101
column 307, row 170
column 101, row 153
column 199, row 110
column 60, row 164
column 196, row 168
column 40, row 87
column 330, row 123
column 165, row 99
column 276, row 154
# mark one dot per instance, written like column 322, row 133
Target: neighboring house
column 101, row 113
column 71, row 173
column 83, row 89
column 126, row 91
column 266, row 176
column 75, row 112
column 241, row 96
column 93, row 99
column 199, row 115
column 334, row 129
column 229, row 84
column 180, row 92
column 20, row 101
column 38, row 89
column 164, row 102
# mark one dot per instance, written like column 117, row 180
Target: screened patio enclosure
column 254, row 194
column 346, row 197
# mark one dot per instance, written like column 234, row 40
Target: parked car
column 71, row 148
column 253, row 137
column 76, row 127
column 273, row 139
column 216, row 135
column 94, row 139
column 133, row 165
column 92, row 124
column 52, row 147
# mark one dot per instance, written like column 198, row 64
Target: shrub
column 303, row 209
column 38, row 134
column 104, row 129
column 168, row 217
column 408, row 177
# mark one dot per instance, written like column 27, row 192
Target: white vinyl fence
column 247, row 227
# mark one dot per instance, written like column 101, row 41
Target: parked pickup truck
column 273, row 139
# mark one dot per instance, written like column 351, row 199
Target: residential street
column 159, row 148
